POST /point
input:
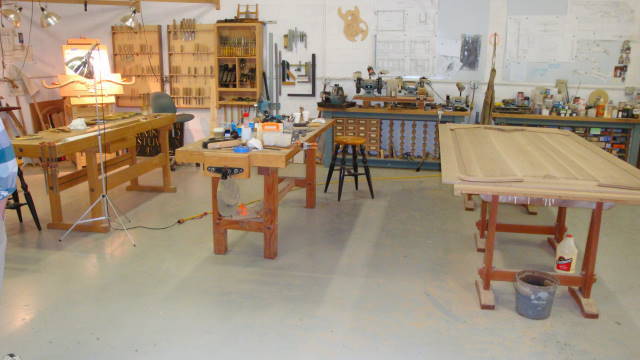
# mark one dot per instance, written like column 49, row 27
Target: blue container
column 535, row 291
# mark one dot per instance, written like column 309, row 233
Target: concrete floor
column 390, row 278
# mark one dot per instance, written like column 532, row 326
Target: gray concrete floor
column 390, row 278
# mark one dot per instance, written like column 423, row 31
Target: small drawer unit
column 366, row 128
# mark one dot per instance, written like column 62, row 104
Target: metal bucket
column 535, row 291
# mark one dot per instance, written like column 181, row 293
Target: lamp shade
column 48, row 18
column 130, row 20
column 13, row 15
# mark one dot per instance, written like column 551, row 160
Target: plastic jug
column 566, row 255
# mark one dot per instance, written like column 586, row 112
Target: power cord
column 206, row 213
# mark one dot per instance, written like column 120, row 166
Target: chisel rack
column 238, row 61
column 191, row 63
column 138, row 53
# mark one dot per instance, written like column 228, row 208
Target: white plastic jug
column 566, row 255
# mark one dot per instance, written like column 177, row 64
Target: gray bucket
column 534, row 293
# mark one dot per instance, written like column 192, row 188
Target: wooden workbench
column 623, row 134
column 550, row 166
column 392, row 133
column 268, row 162
column 118, row 136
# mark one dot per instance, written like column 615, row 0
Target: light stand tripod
column 103, row 200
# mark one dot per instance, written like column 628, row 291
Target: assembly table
column 546, row 167
column 620, row 135
column 396, row 138
column 268, row 161
column 50, row 146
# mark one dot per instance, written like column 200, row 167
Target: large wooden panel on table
column 535, row 163
column 620, row 137
column 117, row 135
column 276, row 187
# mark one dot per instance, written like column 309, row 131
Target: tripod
column 104, row 200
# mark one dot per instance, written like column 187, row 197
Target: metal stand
column 104, row 199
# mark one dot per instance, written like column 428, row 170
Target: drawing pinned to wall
column 620, row 70
column 405, row 36
column 538, row 39
column 470, row 52
column 354, row 25
column 602, row 20
column 390, row 20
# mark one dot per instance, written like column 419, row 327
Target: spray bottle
column 566, row 255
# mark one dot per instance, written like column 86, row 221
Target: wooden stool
column 345, row 142
column 15, row 203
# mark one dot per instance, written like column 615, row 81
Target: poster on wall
column 470, row 52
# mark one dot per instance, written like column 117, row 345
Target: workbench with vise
column 52, row 145
column 224, row 163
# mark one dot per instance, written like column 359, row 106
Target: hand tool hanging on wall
column 313, row 79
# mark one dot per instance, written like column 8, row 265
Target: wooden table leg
column 163, row 137
column 481, row 225
column 219, row 231
column 270, row 211
column 469, row 204
column 483, row 287
column 55, row 204
column 582, row 295
column 133, row 151
column 530, row 209
column 310, row 178
column 561, row 228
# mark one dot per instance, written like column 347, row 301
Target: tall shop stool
column 15, row 203
column 345, row 142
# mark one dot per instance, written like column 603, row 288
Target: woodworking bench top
column 533, row 162
column 78, row 140
column 385, row 110
column 277, row 158
column 566, row 118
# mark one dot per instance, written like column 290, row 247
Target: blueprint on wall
column 582, row 47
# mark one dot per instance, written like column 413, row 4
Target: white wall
column 317, row 17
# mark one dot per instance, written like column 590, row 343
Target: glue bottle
column 566, row 255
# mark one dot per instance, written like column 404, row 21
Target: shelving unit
column 138, row 53
column 191, row 69
column 238, row 63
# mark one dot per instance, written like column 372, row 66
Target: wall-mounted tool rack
column 138, row 53
column 191, row 65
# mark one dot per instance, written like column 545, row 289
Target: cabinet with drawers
column 366, row 128
column 397, row 138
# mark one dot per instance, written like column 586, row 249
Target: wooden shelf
column 191, row 53
column 136, row 54
column 180, row 62
column 564, row 118
column 146, row 65
column 241, row 103
column 236, row 89
column 236, row 57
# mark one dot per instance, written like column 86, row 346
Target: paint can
column 535, row 291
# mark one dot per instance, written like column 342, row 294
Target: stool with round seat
column 345, row 142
